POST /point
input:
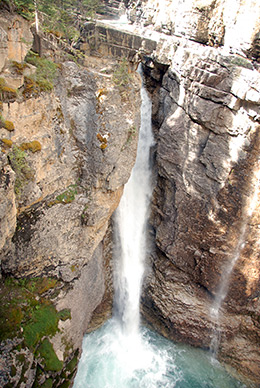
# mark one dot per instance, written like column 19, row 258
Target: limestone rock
column 57, row 205
column 7, row 205
column 205, row 201
column 216, row 23
column 15, row 38
column 73, row 179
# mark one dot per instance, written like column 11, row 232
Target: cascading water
column 131, row 218
column 222, row 293
column 227, row 270
column 122, row 354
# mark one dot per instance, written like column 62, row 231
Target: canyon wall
column 205, row 207
column 65, row 155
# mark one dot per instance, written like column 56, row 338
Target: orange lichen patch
column 101, row 93
column 101, row 138
column 9, row 125
column 33, row 146
column 7, row 142
column 103, row 146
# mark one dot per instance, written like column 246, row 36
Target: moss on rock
column 7, row 142
column 66, row 197
column 24, row 306
column 44, row 321
column 47, row 383
column 9, row 125
column 64, row 314
column 49, row 357
column 33, row 146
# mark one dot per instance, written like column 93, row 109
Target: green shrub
column 20, row 166
column 72, row 364
column 25, row 8
column 240, row 61
column 47, row 384
column 22, row 306
column 46, row 72
column 65, row 384
column 68, row 196
column 122, row 76
column 64, row 314
column 38, row 285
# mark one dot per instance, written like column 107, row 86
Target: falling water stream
column 122, row 353
column 228, row 269
column 223, row 290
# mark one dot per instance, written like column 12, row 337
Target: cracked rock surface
column 206, row 201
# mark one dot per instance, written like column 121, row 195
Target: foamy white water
column 131, row 219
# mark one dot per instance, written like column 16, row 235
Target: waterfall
column 131, row 219
column 122, row 353
column 123, row 341
column 36, row 17
column 228, row 269
column 223, row 290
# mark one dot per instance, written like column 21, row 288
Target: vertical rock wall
column 206, row 116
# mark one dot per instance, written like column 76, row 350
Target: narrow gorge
column 70, row 117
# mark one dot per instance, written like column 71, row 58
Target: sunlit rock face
column 56, row 206
column 15, row 37
column 234, row 24
column 206, row 116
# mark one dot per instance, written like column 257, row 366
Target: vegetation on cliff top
column 44, row 76
column 61, row 17
column 122, row 75
column 42, row 80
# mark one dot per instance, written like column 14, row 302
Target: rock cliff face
column 205, row 204
column 65, row 156
column 234, row 24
